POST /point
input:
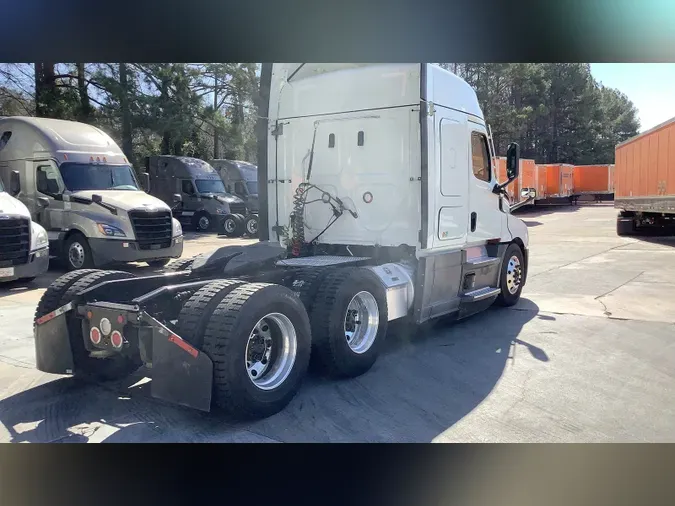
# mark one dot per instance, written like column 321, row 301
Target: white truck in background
column 24, row 248
column 378, row 202
column 77, row 183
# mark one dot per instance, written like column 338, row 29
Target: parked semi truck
column 381, row 205
column 645, row 181
column 24, row 248
column 196, row 193
column 77, row 184
column 241, row 179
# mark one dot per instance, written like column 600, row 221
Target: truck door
column 485, row 217
column 48, row 183
column 451, row 194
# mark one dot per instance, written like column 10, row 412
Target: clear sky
column 650, row 86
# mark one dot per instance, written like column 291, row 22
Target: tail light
column 95, row 335
column 116, row 339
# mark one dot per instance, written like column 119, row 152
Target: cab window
column 187, row 187
column 47, row 180
column 480, row 156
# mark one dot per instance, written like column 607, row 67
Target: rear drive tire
column 86, row 367
column 625, row 226
column 306, row 283
column 77, row 253
column 230, row 225
column 251, row 226
column 51, row 299
column 158, row 264
column 259, row 341
column 182, row 264
column 349, row 322
column 241, row 225
column 511, row 277
column 195, row 313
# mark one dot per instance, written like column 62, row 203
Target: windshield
column 210, row 186
column 252, row 187
column 80, row 176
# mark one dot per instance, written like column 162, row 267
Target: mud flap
column 181, row 374
column 53, row 353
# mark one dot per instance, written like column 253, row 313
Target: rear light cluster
column 105, row 329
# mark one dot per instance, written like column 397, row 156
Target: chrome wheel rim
column 270, row 351
column 252, row 226
column 514, row 275
column 204, row 222
column 229, row 225
column 76, row 255
column 362, row 320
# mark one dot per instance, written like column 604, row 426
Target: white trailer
column 379, row 202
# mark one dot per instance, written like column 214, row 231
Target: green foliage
column 557, row 112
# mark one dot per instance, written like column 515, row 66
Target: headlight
column 177, row 229
column 110, row 231
column 38, row 239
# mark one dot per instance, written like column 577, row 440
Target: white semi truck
column 380, row 203
column 24, row 248
column 77, row 183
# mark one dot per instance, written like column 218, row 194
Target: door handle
column 474, row 218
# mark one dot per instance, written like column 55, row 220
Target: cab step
column 480, row 294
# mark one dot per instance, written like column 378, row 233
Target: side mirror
column 14, row 183
column 43, row 202
column 512, row 161
column 177, row 198
column 96, row 198
column 145, row 181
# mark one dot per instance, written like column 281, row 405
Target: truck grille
column 152, row 228
column 238, row 209
column 14, row 241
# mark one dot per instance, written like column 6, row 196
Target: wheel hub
column 204, row 222
column 514, row 274
column 229, row 225
column 362, row 320
column 270, row 351
column 76, row 254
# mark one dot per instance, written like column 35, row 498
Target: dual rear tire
column 238, row 225
column 259, row 336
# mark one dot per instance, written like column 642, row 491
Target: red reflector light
column 95, row 335
column 89, row 315
column 182, row 344
column 116, row 339
column 120, row 319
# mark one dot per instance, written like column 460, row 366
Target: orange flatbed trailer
column 645, row 180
